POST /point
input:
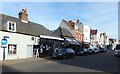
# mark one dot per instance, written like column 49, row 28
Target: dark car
column 86, row 52
column 117, row 50
column 81, row 52
column 64, row 53
column 90, row 51
column 103, row 50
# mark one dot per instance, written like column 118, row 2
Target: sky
column 98, row 15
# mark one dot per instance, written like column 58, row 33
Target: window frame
column 11, row 45
column 11, row 25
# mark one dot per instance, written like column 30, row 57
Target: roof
column 63, row 32
column 30, row 28
column 0, row 22
column 69, row 23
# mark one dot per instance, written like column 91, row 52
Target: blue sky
column 99, row 15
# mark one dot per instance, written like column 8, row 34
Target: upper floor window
column 11, row 26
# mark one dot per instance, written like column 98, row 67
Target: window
column 12, row 48
column 11, row 26
column 32, row 38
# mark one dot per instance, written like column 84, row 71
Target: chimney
column 71, row 24
column 70, row 21
column 23, row 15
column 78, row 21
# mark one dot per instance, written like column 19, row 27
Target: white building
column 22, row 35
column 19, row 46
column 95, row 37
column 20, row 41
column 104, row 40
column 86, row 32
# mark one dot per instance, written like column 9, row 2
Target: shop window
column 12, row 48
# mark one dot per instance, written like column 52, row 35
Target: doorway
column 29, row 51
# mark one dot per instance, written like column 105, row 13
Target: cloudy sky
column 98, row 15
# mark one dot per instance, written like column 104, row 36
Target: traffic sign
column 4, row 41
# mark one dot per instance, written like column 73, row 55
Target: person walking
column 36, row 53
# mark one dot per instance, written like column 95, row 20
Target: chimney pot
column 78, row 21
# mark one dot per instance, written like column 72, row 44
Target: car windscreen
column 70, row 50
column 62, row 50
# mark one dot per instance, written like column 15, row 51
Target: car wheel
column 73, row 56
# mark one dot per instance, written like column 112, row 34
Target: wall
column 20, row 40
column 78, row 35
column 64, row 25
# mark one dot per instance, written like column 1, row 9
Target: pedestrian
column 36, row 53
column 41, row 50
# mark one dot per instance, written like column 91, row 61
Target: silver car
column 117, row 50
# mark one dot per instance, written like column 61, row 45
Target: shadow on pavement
column 7, row 69
column 108, row 63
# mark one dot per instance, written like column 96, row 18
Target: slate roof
column 63, row 32
column 0, row 22
column 29, row 28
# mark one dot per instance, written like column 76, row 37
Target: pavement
column 18, row 61
column 19, row 65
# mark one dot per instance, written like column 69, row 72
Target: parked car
column 80, row 52
column 117, row 50
column 90, row 51
column 64, row 53
column 95, row 49
column 86, row 52
column 103, row 49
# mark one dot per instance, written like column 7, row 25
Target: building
column 104, row 40
column 86, row 32
column 94, row 37
column 74, row 29
column 69, row 40
column 23, row 36
column 112, row 43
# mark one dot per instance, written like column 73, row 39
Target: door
column 29, row 51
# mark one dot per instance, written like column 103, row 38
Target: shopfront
column 72, row 43
column 48, row 44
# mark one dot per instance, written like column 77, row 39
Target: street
column 103, row 62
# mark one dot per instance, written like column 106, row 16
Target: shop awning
column 73, row 41
column 51, row 37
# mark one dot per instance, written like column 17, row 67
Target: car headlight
column 60, row 54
